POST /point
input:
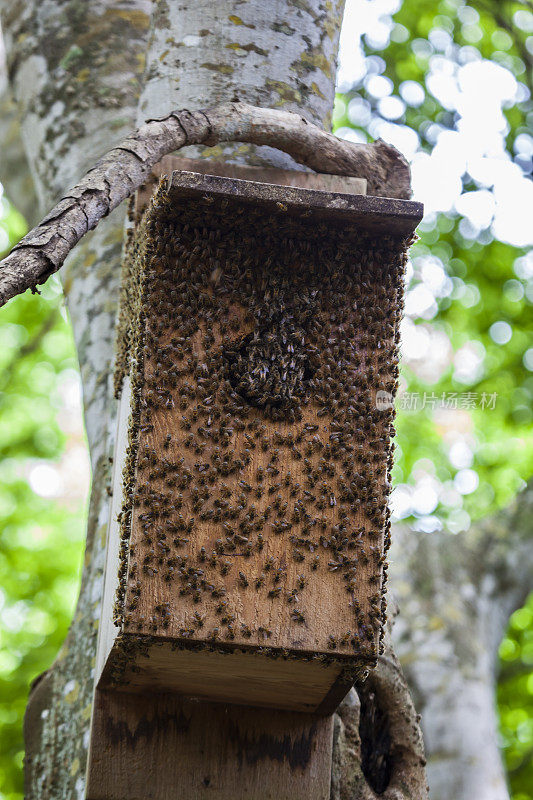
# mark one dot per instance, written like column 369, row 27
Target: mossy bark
column 76, row 69
column 83, row 74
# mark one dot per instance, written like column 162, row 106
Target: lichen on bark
column 62, row 138
column 75, row 69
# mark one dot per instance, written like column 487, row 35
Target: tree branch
column 456, row 593
column 500, row 547
column 124, row 168
column 396, row 768
column 494, row 555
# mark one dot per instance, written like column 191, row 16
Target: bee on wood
column 279, row 573
column 230, row 634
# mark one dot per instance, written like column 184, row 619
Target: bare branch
column 495, row 556
column 398, row 771
column 124, row 168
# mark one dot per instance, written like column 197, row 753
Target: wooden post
column 257, row 364
column 165, row 746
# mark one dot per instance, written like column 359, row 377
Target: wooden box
column 257, row 365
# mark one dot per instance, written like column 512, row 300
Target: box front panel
column 266, row 363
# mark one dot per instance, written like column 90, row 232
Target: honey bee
column 297, row 616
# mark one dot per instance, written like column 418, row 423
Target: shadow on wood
column 249, row 522
column 163, row 747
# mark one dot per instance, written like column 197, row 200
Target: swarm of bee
column 258, row 462
column 270, row 368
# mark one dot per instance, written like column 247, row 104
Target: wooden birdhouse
column 257, row 365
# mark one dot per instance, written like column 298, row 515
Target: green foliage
column 41, row 539
column 482, row 307
column 503, row 455
column 490, row 283
column 485, row 282
column 515, row 699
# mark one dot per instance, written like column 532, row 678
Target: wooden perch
column 124, row 168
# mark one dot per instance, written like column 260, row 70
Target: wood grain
column 164, row 747
column 319, row 181
column 234, row 676
column 124, row 168
column 245, row 536
column 223, row 751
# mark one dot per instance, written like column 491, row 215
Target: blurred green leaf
column 481, row 309
column 41, row 539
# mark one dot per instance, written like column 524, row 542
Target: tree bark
column 75, row 70
column 15, row 175
column 378, row 752
column 456, row 594
column 127, row 166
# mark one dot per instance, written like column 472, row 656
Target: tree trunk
column 76, row 70
column 456, row 594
